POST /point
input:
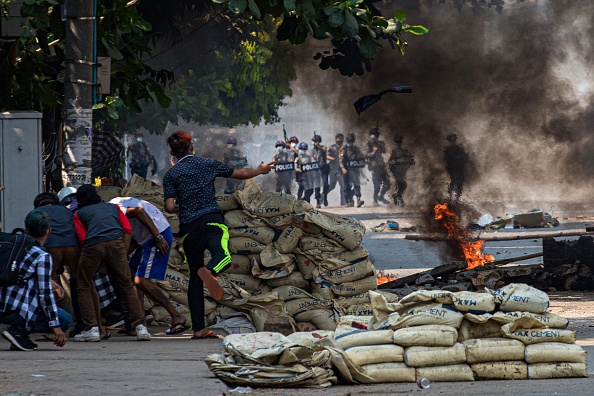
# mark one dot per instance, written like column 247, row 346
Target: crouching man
column 30, row 306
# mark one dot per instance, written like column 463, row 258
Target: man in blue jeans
column 30, row 306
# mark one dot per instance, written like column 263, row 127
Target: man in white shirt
column 153, row 235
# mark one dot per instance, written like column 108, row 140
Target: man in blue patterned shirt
column 31, row 304
column 191, row 183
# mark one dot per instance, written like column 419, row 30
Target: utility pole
column 78, row 90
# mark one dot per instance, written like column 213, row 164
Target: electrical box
column 11, row 26
column 21, row 171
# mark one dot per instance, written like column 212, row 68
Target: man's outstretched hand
column 265, row 168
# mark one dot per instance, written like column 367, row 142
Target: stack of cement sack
column 287, row 259
column 464, row 336
column 293, row 260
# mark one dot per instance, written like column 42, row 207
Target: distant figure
column 351, row 163
column 375, row 152
column 284, row 167
column 309, row 169
column 234, row 159
column 319, row 154
column 335, row 175
column 291, row 144
column 141, row 157
column 399, row 162
column 455, row 158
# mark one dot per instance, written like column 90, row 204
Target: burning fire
column 472, row 250
column 384, row 278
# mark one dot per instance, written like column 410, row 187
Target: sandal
column 214, row 288
column 178, row 328
column 206, row 335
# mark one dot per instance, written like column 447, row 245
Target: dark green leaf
column 416, row 30
column 367, row 45
column 254, row 9
column 289, row 5
column 400, row 15
column 381, row 23
column 350, row 26
column 336, row 19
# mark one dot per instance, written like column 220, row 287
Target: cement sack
column 305, row 265
column 364, row 338
column 279, row 271
column 256, row 345
column 350, row 256
column 246, row 282
column 452, row 373
column 301, row 207
column 264, row 204
column 161, row 316
column 282, row 221
column 384, row 312
column 288, row 292
column 318, row 244
column 176, row 260
column 356, row 310
column 224, row 312
column 263, row 235
column 463, row 301
column 107, row 193
column 530, row 331
column 419, row 356
column 240, row 265
column 434, row 314
column 255, row 258
column 430, row 335
column 557, row 370
column 209, row 306
column 548, row 319
column 270, row 316
column 177, row 279
column 323, row 319
column 554, row 352
column 351, row 323
column 323, row 290
column 306, row 304
column 139, row 187
column 294, row 279
column 521, row 297
column 493, row 350
column 348, row 289
column 309, row 339
column 469, row 330
column 180, row 297
column 500, row 370
column 306, row 326
column 390, row 372
column 347, row 231
column 234, row 325
column 364, row 298
column 227, row 201
column 330, row 271
column 270, row 257
column 240, row 219
column 287, row 239
column 372, row 354
column 244, row 245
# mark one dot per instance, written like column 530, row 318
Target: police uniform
column 335, row 175
column 400, row 160
column 353, row 161
column 455, row 158
column 377, row 166
column 309, row 171
column 319, row 155
column 284, row 167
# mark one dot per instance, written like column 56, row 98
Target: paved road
column 174, row 364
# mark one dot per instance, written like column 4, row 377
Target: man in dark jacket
column 455, row 158
column 381, row 182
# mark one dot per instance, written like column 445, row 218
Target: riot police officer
column 455, row 158
column 352, row 161
column 399, row 162
column 319, row 154
column 284, row 167
column 309, row 170
column 141, row 157
column 291, row 144
column 381, row 182
column 335, row 174
column 236, row 160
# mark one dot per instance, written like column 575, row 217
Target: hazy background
column 516, row 85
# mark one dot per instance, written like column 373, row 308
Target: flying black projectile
column 364, row 102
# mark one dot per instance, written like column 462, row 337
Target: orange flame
column 472, row 250
column 384, row 278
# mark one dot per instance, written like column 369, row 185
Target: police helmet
column 232, row 141
column 398, row 139
column 350, row 138
column 302, row 146
column 316, row 138
column 293, row 139
column 452, row 137
column 279, row 143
